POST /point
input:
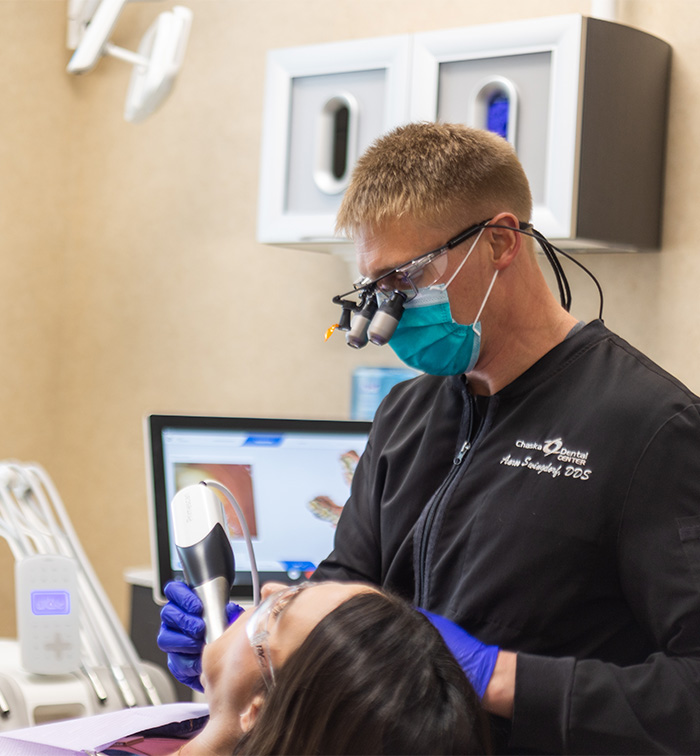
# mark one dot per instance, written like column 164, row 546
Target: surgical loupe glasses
column 380, row 301
column 378, row 306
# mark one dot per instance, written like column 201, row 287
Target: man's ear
column 505, row 244
column 250, row 714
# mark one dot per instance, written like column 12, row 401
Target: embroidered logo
column 552, row 458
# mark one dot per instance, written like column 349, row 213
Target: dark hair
column 373, row 677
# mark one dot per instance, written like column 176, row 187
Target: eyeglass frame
column 367, row 287
column 409, row 269
column 259, row 639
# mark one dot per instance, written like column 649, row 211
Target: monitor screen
column 291, row 479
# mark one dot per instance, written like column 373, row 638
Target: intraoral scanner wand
column 199, row 526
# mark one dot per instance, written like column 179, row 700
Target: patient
column 316, row 668
column 335, row 668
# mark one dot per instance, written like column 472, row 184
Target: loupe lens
column 385, row 321
column 356, row 337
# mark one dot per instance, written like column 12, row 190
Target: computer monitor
column 290, row 477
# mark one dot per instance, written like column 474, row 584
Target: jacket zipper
column 466, row 446
column 437, row 500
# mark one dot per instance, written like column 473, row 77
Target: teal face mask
column 428, row 339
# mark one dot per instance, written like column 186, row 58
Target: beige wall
column 131, row 278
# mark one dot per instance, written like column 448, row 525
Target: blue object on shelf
column 370, row 385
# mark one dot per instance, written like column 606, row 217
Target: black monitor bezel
column 158, row 504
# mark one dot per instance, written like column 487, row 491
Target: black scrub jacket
column 560, row 519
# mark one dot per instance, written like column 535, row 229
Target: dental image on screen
column 324, row 507
column 291, row 487
column 237, row 478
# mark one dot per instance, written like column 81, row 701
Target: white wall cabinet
column 584, row 102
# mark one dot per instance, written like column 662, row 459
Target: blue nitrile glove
column 474, row 657
column 182, row 632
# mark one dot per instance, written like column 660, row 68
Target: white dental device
column 199, row 527
column 48, row 616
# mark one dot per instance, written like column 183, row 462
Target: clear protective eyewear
column 258, row 627
column 383, row 298
column 423, row 271
column 390, row 291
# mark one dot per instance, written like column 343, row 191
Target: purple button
column 50, row 602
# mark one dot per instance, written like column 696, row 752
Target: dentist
column 537, row 491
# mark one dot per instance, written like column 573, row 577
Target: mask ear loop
column 486, row 299
column 459, row 267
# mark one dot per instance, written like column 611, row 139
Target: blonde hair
column 434, row 172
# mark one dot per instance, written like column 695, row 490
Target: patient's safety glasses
column 258, row 627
